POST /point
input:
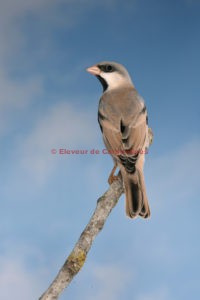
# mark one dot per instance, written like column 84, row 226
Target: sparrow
column 123, row 120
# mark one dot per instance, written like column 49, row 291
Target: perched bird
column 123, row 120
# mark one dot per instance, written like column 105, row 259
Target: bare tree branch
column 77, row 258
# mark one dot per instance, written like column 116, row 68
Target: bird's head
column 111, row 75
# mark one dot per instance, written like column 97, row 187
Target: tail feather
column 136, row 198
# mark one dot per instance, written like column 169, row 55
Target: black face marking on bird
column 107, row 68
column 111, row 75
column 103, row 82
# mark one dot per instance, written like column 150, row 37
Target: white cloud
column 174, row 176
column 111, row 281
column 10, row 13
column 17, row 282
column 161, row 293
column 24, row 273
column 15, row 94
column 15, row 97
column 62, row 127
column 10, row 10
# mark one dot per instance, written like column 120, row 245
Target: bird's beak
column 94, row 70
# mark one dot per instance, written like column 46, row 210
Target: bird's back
column 121, row 104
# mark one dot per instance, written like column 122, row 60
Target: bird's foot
column 112, row 178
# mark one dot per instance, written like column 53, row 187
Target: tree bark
column 77, row 257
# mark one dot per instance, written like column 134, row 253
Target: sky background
column 48, row 101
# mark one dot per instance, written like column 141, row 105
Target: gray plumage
column 122, row 116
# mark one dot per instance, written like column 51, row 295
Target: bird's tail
column 135, row 191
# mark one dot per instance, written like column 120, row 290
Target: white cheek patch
column 114, row 79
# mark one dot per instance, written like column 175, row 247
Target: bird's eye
column 108, row 68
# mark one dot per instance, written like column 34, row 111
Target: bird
column 123, row 120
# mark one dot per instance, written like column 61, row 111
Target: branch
column 77, row 258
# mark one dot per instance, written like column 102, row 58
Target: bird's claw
column 112, row 178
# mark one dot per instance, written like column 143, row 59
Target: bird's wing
column 134, row 134
column 124, row 131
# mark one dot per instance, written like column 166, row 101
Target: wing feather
column 124, row 127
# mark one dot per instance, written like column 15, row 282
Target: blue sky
column 48, row 101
